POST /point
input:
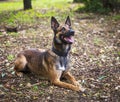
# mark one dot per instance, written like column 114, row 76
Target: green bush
column 100, row 6
column 94, row 6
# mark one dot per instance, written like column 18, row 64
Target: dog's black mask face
column 63, row 34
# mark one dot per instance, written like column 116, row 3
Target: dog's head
column 63, row 34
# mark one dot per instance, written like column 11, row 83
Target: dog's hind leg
column 20, row 65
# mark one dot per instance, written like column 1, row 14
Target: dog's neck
column 61, row 49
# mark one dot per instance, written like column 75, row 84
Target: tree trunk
column 27, row 4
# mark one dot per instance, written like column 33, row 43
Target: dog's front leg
column 71, row 78
column 66, row 85
column 54, row 77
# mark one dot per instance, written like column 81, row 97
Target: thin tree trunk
column 27, row 4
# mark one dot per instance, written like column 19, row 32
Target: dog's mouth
column 68, row 39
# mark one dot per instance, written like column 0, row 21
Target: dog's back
column 35, row 61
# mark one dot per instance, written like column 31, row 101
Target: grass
column 60, row 4
column 98, row 41
column 10, row 57
column 13, row 34
column 35, row 88
column 7, row 43
column 116, row 17
column 0, row 33
column 119, row 53
column 12, row 13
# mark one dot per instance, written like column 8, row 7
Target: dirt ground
column 95, row 62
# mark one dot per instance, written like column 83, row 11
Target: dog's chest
column 62, row 63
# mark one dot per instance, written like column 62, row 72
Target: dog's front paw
column 79, row 86
column 82, row 89
column 76, row 83
column 76, row 88
column 19, row 74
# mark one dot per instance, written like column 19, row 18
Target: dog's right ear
column 68, row 22
column 54, row 23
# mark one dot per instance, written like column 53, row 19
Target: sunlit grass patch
column 60, row 4
column 5, row 6
column 13, row 13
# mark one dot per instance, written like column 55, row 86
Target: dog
column 52, row 63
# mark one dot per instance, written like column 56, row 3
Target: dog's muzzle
column 70, row 32
column 68, row 37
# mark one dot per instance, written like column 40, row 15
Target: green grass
column 98, row 41
column 35, row 88
column 12, row 13
column 118, row 53
column 10, row 57
column 14, row 34
column 61, row 4
column 5, row 6
column 7, row 43
column 116, row 17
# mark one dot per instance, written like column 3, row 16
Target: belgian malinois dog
column 53, row 63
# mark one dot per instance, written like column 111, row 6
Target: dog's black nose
column 71, row 32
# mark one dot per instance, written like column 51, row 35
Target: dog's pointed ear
column 68, row 22
column 54, row 23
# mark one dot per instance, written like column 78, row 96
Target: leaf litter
column 95, row 62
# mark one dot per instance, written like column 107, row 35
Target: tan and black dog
column 52, row 64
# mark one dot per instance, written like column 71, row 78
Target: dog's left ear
column 68, row 22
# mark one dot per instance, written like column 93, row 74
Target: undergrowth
column 94, row 6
